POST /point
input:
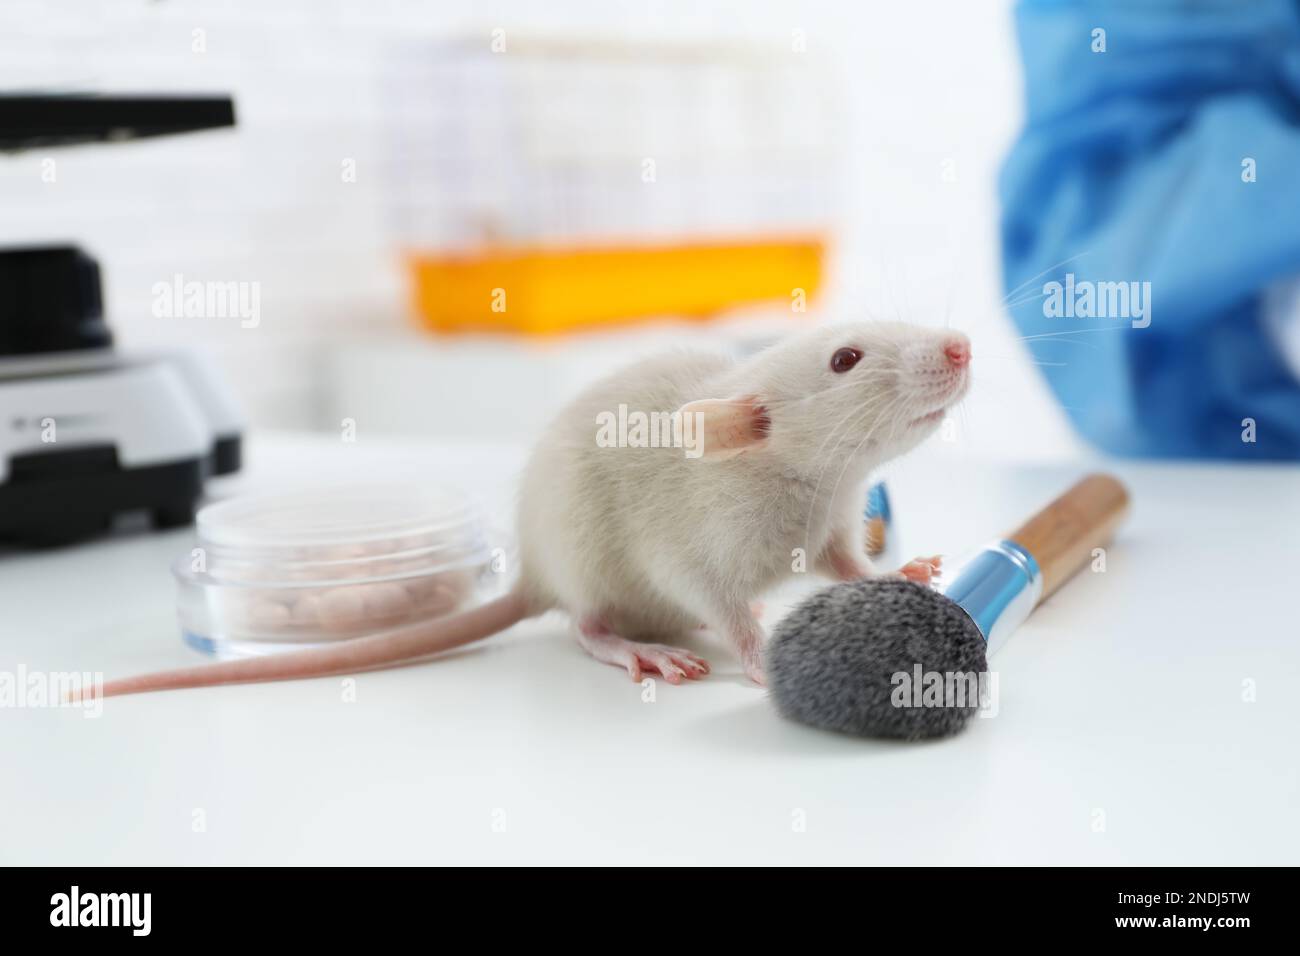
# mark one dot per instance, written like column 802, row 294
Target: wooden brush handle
column 1062, row 536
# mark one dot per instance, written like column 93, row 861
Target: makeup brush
column 858, row 657
column 879, row 518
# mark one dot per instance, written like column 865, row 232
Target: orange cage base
column 542, row 291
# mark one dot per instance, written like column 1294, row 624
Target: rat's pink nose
column 958, row 352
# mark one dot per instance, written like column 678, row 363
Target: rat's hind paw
column 922, row 570
column 671, row 663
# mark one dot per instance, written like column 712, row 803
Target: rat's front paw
column 922, row 570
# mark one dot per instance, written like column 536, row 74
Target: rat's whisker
column 826, row 462
column 1039, row 275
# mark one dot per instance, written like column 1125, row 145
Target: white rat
column 643, row 544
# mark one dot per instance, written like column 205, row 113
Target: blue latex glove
column 1130, row 166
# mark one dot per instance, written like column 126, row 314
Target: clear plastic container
column 280, row 571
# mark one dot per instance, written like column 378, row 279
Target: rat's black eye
column 844, row 359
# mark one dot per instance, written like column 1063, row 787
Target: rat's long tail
column 392, row 647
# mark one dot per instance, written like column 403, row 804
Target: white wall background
column 925, row 85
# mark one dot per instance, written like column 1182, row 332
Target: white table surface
column 1122, row 736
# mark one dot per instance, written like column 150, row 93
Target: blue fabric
column 1129, row 168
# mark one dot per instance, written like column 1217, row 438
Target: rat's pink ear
column 723, row 427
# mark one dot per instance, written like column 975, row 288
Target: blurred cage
column 556, row 185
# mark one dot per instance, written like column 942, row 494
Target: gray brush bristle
column 832, row 660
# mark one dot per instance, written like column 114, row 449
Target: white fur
column 654, row 543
